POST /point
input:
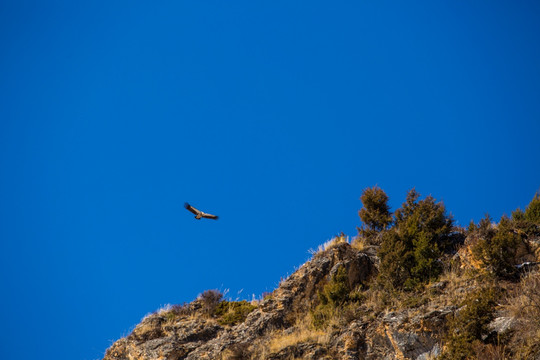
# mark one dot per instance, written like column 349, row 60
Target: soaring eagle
column 199, row 214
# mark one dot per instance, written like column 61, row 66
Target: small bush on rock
column 468, row 328
column 210, row 299
column 335, row 297
column 336, row 292
column 233, row 312
column 495, row 248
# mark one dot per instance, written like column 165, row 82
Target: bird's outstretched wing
column 192, row 209
column 209, row 216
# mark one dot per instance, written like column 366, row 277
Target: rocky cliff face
column 282, row 326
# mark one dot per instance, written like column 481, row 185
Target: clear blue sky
column 274, row 115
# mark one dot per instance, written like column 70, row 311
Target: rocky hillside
column 281, row 326
column 191, row 333
column 479, row 300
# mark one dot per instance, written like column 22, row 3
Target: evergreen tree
column 532, row 213
column 495, row 247
column 411, row 250
column 527, row 223
column 375, row 213
column 397, row 259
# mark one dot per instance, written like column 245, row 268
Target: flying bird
column 200, row 214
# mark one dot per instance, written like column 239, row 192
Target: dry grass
column 458, row 283
column 238, row 352
column 359, row 244
column 332, row 242
column 302, row 333
column 524, row 302
column 378, row 300
column 277, row 340
column 489, row 352
column 523, row 305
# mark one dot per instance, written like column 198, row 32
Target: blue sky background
column 274, row 115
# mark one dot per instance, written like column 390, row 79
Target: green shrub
column 335, row 296
column 337, row 290
column 518, row 215
column 397, row 259
column 469, row 327
column 321, row 315
column 496, row 248
column 233, row 312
